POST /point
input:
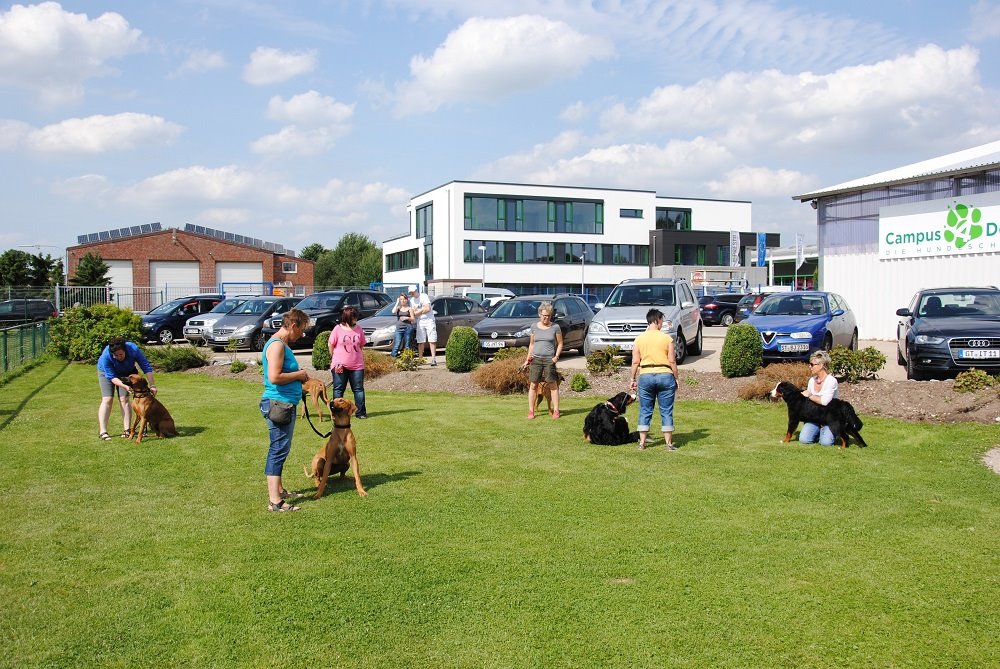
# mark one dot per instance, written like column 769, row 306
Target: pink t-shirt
column 345, row 347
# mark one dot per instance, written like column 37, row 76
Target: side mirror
column 599, row 306
column 687, row 305
column 903, row 312
column 837, row 312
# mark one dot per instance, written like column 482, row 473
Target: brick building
column 150, row 265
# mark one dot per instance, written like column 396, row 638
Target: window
column 407, row 259
column 673, row 219
column 425, row 221
column 299, row 291
column 483, row 212
column 630, row 213
column 289, row 267
column 428, row 260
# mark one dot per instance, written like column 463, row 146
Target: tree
column 91, row 271
column 356, row 261
column 40, row 270
column 313, row 252
column 14, row 268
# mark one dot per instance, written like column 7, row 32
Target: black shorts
column 543, row 369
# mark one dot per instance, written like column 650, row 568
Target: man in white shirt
column 426, row 325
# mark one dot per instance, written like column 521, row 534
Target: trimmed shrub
column 852, row 366
column 742, row 351
column 237, row 366
column 504, row 377
column 83, row 332
column 605, row 361
column 377, row 363
column 796, row 373
column 171, row 358
column 462, row 354
column 973, row 380
column 579, row 383
column 321, row 354
column 513, row 352
column 408, row 360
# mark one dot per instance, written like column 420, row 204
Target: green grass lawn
column 487, row 540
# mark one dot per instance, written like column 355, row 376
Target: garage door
column 174, row 278
column 120, row 274
column 240, row 278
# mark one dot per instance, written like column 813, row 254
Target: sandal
column 291, row 495
column 104, row 436
column 555, row 415
column 127, row 434
column 282, row 507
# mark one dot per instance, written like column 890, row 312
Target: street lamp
column 482, row 249
column 583, row 262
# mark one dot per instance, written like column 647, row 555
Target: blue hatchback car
column 794, row 325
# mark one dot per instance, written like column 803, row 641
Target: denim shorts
column 281, row 441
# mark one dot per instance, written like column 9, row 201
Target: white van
column 480, row 293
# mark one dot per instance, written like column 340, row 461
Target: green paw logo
column 963, row 225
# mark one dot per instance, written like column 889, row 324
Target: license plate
column 192, row 331
column 625, row 346
column 793, row 348
column 493, row 343
column 973, row 354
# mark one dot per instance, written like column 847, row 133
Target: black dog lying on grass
column 606, row 424
column 838, row 415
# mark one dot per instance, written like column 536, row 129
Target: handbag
column 280, row 413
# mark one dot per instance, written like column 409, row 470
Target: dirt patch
column 918, row 401
column 991, row 459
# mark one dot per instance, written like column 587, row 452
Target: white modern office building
column 931, row 224
column 545, row 239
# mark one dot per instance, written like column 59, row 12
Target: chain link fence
column 22, row 344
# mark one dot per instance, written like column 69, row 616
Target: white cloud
column 89, row 187
column 12, row 134
column 309, row 109
column 223, row 215
column 52, row 52
column 201, row 60
column 488, row 59
column 300, row 141
column 100, row 134
column 985, row 20
column 754, row 182
column 574, row 113
column 272, row 66
column 194, row 185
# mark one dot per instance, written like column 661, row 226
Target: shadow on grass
column 13, row 413
column 338, row 485
column 690, row 437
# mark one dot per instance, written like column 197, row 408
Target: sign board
column 734, row 248
column 698, row 278
column 951, row 226
column 800, row 251
column 761, row 248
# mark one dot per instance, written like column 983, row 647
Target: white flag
column 800, row 253
column 734, row 248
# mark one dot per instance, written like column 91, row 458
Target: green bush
column 973, row 380
column 83, row 332
column 579, row 383
column 462, row 354
column 172, row 358
column 237, row 366
column 742, row 351
column 321, row 354
column 513, row 352
column 408, row 360
column 607, row 360
column 852, row 366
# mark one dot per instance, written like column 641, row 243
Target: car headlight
column 597, row 328
column 801, row 335
column 245, row 330
column 382, row 333
column 928, row 339
column 522, row 333
column 312, row 322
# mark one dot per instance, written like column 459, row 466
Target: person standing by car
column 116, row 362
column 283, row 384
column 822, row 388
column 544, row 349
column 347, row 362
column 403, row 338
column 426, row 326
column 654, row 376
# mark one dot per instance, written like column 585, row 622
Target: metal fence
column 22, row 344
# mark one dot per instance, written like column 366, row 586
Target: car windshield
column 228, row 305
column 251, row 307
column 517, row 309
column 320, row 301
column 384, row 311
column 167, row 307
column 642, row 296
column 792, row 305
column 960, row 303
column 12, row 307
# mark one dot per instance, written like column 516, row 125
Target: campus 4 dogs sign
column 953, row 226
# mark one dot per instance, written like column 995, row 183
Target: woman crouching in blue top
column 117, row 361
column 282, row 381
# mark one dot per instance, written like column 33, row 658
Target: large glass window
column 429, row 261
column 425, row 221
column 673, row 219
column 512, row 214
column 536, row 215
column 407, row 259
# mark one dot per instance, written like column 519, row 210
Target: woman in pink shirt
column 346, row 360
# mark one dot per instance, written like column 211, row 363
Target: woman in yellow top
column 654, row 375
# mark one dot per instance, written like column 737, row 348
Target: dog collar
column 611, row 406
column 341, row 427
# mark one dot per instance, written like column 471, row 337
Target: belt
column 654, row 366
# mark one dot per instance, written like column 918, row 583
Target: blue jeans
column 357, row 380
column 281, row 441
column 657, row 388
column 403, row 339
column 809, row 432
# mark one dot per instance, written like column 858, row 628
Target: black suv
column 17, row 311
column 324, row 309
column 719, row 309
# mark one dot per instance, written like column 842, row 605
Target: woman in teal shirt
column 282, row 381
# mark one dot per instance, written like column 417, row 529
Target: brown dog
column 545, row 393
column 148, row 411
column 340, row 451
column 315, row 389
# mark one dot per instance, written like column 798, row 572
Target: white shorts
column 427, row 331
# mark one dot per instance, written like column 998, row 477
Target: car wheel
column 827, row 342
column 727, row 319
column 586, row 347
column 854, row 341
column 680, row 348
column 696, row 346
column 912, row 372
column 257, row 341
column 899, row 358
column 165, row 336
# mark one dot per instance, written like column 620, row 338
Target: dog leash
column 305, row 407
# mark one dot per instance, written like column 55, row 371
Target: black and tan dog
column 838, row 415
column 316, row 390
column 340, row 451
column 147, row 411
column 606, row 424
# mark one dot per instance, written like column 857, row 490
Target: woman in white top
column 822, row 388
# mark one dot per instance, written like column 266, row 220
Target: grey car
column 245, row 323
column 509, row 325
column 193, row 329
column 449, row 313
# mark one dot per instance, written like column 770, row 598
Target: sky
column 297, row 122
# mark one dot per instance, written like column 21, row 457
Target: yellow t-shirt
column 652, row 346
